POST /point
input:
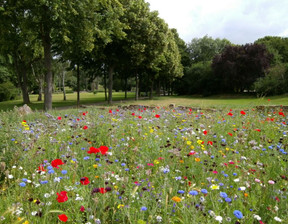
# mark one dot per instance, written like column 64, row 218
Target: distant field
column 232, row 101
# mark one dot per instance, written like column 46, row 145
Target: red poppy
column 84, row 181
column 85, row 127
column 93, row 150
column 102, row 190
column 242, row 112
column 230, row 134
column 133, row 114
column 140, row 117
column 56, row 162
column 103, row 149
column 281, row 113
column 62, row 197
column 63, row 217
column 82, row 209
column 157, row 116
column 257, row 130
column 205, row 132
column 209, row 143
column 41, row 168
column 230, row 114
column 110, row 111
column 59, row 118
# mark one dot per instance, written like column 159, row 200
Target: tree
column 278, row 46
column 18, row 43
column 238, row 67
column 205, row 48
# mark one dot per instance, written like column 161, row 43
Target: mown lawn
column 220, row 101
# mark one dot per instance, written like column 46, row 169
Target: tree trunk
column 63, row 86
column 48, row 79
column 110, row 83
column 78, row 85
column 105, row 86
column 40, row 90
column 24, row 87
column 22, row 79
column 151, row 90
column 137, row 87
column 126, row 81
column 158, row 90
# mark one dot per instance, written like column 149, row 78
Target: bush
column 274, row 83
column 8, row 91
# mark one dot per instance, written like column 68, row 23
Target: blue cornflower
column 24, row 179
column 123, row 164
column 49, row 167
column 127, row 169
column 22, row 184
column 228, row 199
column 166, row 170
column 44, row 182
column 193, row 192
column 51, row 171
column 181, row 192
column 223, row 195
column 238, row 214
column 143, row 208
column 116, row 160
column 204, row 191
column 97, row 159
column 86, row 158
column 64, row 172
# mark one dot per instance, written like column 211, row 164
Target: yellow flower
column 181, row 161
column 188, row 142
column 156, row 161
column 199, row 142
column 192, row 147
column 95, row 165
column 151, row 130
column 115, row 187
column 214, row 187
column 96, row 177
column 176, row 199
column 197, row 159
column 26, row 222
column 120, row 206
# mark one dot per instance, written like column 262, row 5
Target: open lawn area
column 233, row 101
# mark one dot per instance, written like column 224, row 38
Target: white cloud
column 240, row 21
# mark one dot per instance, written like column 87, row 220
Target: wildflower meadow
column 144, row 165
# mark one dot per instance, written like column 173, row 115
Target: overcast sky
column 239, row 21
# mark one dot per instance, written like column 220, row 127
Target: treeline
column 122, row 45
column 218, row 66
column 93, row 37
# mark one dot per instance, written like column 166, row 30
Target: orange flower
column 176, row 199
column 197, row 159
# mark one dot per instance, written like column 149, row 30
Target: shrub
column 8, row 91
column 274, row 83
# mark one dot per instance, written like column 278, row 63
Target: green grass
column 219, row 101
column 71, row 100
